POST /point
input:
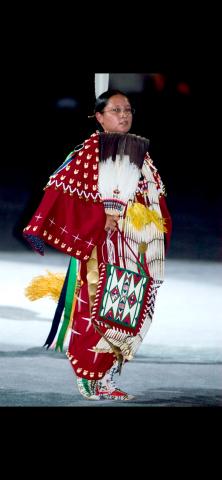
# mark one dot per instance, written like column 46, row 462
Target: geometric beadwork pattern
column 122, row 297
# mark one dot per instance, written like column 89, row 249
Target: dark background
column 47, row 108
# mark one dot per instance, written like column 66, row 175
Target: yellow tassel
column 142, row 247
column 45, row 285
column 139, row 216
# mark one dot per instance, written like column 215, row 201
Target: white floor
column 188, row 310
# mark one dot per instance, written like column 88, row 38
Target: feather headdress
column 101, row 83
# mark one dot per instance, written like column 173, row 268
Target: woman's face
column 117, row 115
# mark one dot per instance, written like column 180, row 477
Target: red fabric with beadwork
column 85, row 361
column 71, row 216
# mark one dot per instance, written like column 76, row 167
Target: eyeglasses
column 118, row 110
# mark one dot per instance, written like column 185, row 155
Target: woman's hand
column 111, row 222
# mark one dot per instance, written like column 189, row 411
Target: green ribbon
column 71, row 288
column 141, row 264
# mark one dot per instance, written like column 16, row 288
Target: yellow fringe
column 139, row 216
column 45, row 285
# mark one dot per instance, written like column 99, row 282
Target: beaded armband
column 113, row 206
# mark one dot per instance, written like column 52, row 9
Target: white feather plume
column 120, row 174
column 101, row 83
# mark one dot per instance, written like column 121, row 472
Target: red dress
column 71, row 218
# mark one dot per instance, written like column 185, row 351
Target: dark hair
column 103, row 99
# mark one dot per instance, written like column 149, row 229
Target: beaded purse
column 122, row 297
